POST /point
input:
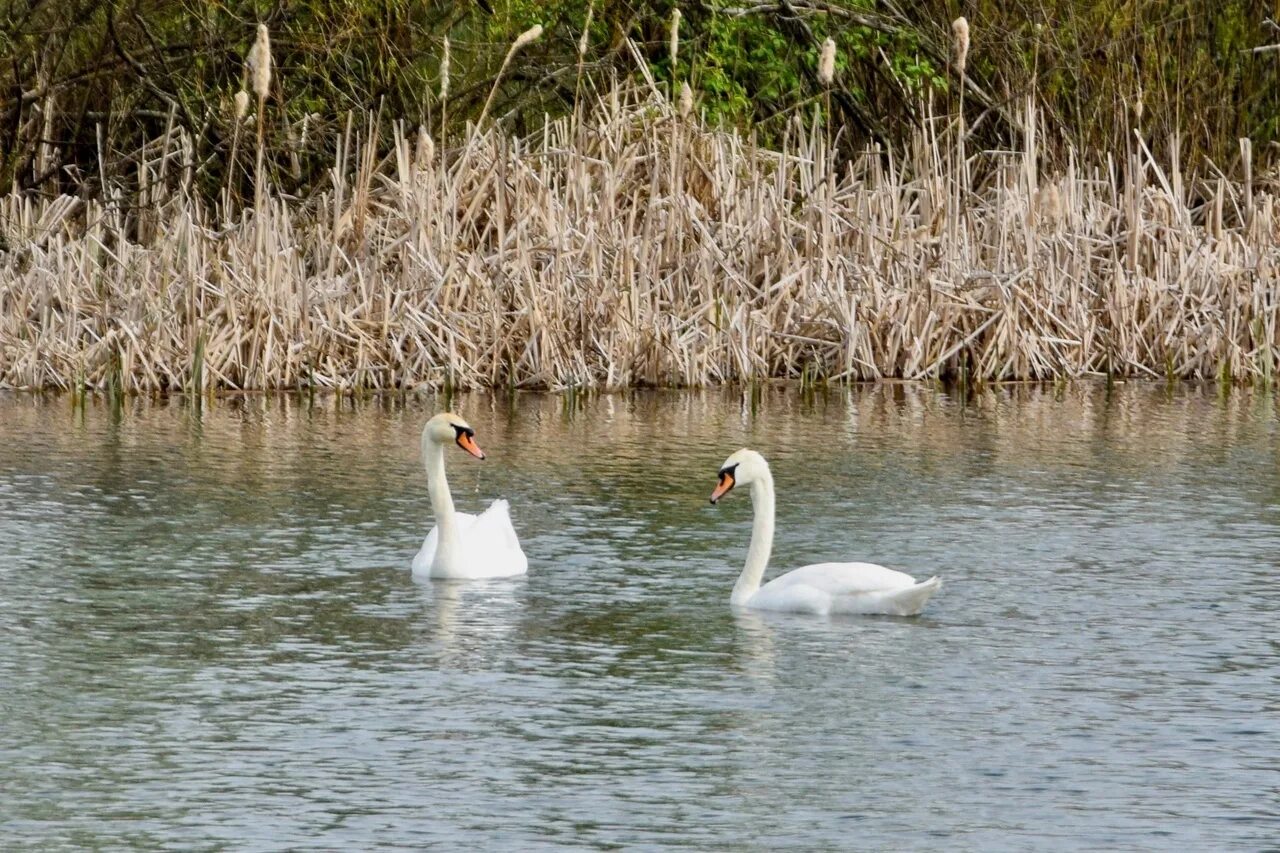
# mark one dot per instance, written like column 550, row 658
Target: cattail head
column 586, row 31
column 686, row 100
column 260, row 63
column 444, row 71
column 827, row 63
column 1050, row 203
column 675, row 36
column 426, row 148
column 960, row 32
column 242, row 104
column 530, row 35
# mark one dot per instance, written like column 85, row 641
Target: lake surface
column 209, row 636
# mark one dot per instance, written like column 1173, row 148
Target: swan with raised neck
column 463, row 545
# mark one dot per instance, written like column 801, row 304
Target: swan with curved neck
column 463, row 545
column 822, row 588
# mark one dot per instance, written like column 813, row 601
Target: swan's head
column 740, row 469
column 448, row 428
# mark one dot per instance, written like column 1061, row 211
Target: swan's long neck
column 441, row 501
column 761, row 540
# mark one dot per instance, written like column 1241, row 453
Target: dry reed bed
column 633, row 246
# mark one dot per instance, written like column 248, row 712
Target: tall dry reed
column 630, row 246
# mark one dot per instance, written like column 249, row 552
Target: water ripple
column 211, row 637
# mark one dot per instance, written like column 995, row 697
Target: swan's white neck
column 761, row 540
column 441, row 504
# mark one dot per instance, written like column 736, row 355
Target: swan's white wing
column 487, row 546
column 844, row 578
column 845, row 588
column 427, row 553
column 490, row 544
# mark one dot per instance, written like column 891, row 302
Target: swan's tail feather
column 910, row 601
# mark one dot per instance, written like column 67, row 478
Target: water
column 209, row 636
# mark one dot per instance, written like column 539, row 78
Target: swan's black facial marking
column 726, row 482
column 465, row 436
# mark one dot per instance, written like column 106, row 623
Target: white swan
column 823, row 588
column 463, row 545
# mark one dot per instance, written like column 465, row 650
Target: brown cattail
column 960, row 31
column 260, row 62
column 675, row 36
column 686, row 100
column 827, row 63
column 586, row 31
column 1050, row 204
column 242, row 104
column 426, row 148
column 444, row 71
column 530, row 35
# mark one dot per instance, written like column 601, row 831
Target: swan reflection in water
column 472, row 619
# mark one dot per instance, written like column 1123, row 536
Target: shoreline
column 791, row 387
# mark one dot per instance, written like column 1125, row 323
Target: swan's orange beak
column 467, row 443
column 726, row 483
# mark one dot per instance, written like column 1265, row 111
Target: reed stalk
column 527, row 37
column 616, row 252
column 259, row 62
column 240, row 109
column 444, row 92
column 960, row 35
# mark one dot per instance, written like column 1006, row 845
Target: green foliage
column 118, row 71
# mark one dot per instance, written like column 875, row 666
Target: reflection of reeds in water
column 274, row 443
column 630, row 246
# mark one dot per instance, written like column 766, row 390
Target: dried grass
column 632, row 246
